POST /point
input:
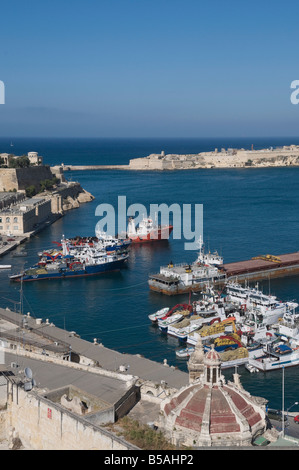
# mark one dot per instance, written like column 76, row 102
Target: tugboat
column 147, row 231
column 90, row 262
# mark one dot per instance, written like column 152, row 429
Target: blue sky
column 149, row 68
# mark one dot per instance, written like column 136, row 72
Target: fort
column 33, row 195
column 223, row 158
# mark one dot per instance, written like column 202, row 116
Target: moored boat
column 276, row 357
column 89, row 263
column 154, row 317
column 147, row 231
column 185, row 352
column 164, row 323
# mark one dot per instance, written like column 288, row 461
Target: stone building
column 210, row 412
column 33, row 157
column 25, row 216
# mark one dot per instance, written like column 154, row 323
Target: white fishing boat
column 276, row 357
column 182, row 333
column 165, row 323
column 288, row 327
column 5, row 266
column 182, row 278
column 213, row 259
column 251, row 368
column 185, row 352
column 154, row 317
column 210, row 316
column 260, row 307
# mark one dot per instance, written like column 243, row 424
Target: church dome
column 211, row 412
column 212, row 357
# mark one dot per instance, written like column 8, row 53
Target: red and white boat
column 147, row 231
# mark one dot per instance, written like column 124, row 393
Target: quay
column 259, row 268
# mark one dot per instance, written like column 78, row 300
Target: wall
column 44, row 425
column 21, row 178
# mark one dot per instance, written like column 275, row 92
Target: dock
column 259, row 268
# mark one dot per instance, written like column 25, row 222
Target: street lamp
column 296, row 403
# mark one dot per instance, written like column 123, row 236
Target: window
column 7, row 220
column 15, row 220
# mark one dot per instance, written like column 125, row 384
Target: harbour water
column 247, row 212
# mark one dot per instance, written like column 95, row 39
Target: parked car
column 296, row 419
column 275, row 414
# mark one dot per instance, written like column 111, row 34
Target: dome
column 212, row 357
column 211, row 412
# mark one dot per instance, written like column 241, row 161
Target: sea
column 246, row 212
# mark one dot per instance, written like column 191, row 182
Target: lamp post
column 296, row 403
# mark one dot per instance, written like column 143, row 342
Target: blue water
column 246, row 212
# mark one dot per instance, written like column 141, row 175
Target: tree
column 19, row 162
column 30, row 191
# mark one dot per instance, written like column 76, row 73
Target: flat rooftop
column 50, row 376
column 108, row 359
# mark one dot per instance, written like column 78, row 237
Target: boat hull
column 265, row 365
column 68, row 273
column 155, row 235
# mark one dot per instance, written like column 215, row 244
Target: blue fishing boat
column 89, row 262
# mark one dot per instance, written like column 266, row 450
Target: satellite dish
column 28, row 373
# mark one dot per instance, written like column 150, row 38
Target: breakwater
column 95, row 167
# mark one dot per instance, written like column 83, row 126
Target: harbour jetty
column 288, row 155
column 93, row 167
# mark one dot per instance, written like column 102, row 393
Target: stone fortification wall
column 20, row 178
column 230, row 158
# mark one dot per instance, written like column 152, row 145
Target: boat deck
column 285, row 265
column 255, row 269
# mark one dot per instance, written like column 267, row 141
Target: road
column 290, row 427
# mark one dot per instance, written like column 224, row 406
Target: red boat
column 147, row 231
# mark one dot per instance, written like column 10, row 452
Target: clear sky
column 149, row 68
